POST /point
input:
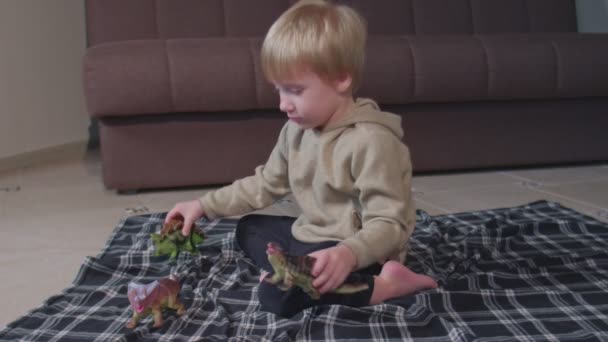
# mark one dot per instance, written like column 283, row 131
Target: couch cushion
column 128, row 77
column 223, row 74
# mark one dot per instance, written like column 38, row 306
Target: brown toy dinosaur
column 152, row 298
column 174, row 225
column 296, row 271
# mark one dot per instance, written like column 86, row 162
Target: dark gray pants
column 253, row 234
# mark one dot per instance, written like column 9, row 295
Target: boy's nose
column 285, row 105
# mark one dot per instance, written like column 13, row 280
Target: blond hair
column 327, row 38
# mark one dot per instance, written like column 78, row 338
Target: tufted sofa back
column 119, row 20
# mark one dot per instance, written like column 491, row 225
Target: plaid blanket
column 538, row 272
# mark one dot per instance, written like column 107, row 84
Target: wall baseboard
column 69, row 151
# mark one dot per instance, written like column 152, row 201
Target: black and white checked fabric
column 538, row 272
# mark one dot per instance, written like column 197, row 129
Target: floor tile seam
column 554, row 184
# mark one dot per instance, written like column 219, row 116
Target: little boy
column 342, row 159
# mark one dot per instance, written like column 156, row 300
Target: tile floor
column 52, row 216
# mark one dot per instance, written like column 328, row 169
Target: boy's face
column 312, row 102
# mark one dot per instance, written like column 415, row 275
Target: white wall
column 41, row 97
column 592, row 15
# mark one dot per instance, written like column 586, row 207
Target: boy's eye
column 295, row 90
column 289, row 90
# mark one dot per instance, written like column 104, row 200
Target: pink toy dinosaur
column 152, row 298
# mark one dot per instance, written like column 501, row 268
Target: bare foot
column 396, row 280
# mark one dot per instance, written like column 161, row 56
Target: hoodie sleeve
column 382, row 171
column 269, row 183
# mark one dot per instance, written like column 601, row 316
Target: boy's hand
column 332, row 267
column 190, row 211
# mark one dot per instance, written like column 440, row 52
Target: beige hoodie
column 352, row 181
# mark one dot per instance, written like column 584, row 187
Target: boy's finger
column 324, row 279
column 330, row 284
column 326, row 288
column 319, row 265
column 336, row 278
column 170, row 215
column 320, row 281
column 187, row 227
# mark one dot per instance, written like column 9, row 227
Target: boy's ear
column 344, row 83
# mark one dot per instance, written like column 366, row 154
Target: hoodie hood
column 367, row 111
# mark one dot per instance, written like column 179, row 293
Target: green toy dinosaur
column 170, row 241
column 296, row 270
column 153, row 298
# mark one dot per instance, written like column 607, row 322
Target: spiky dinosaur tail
column 350, row 288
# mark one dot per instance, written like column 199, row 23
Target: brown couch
column 180, row 100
